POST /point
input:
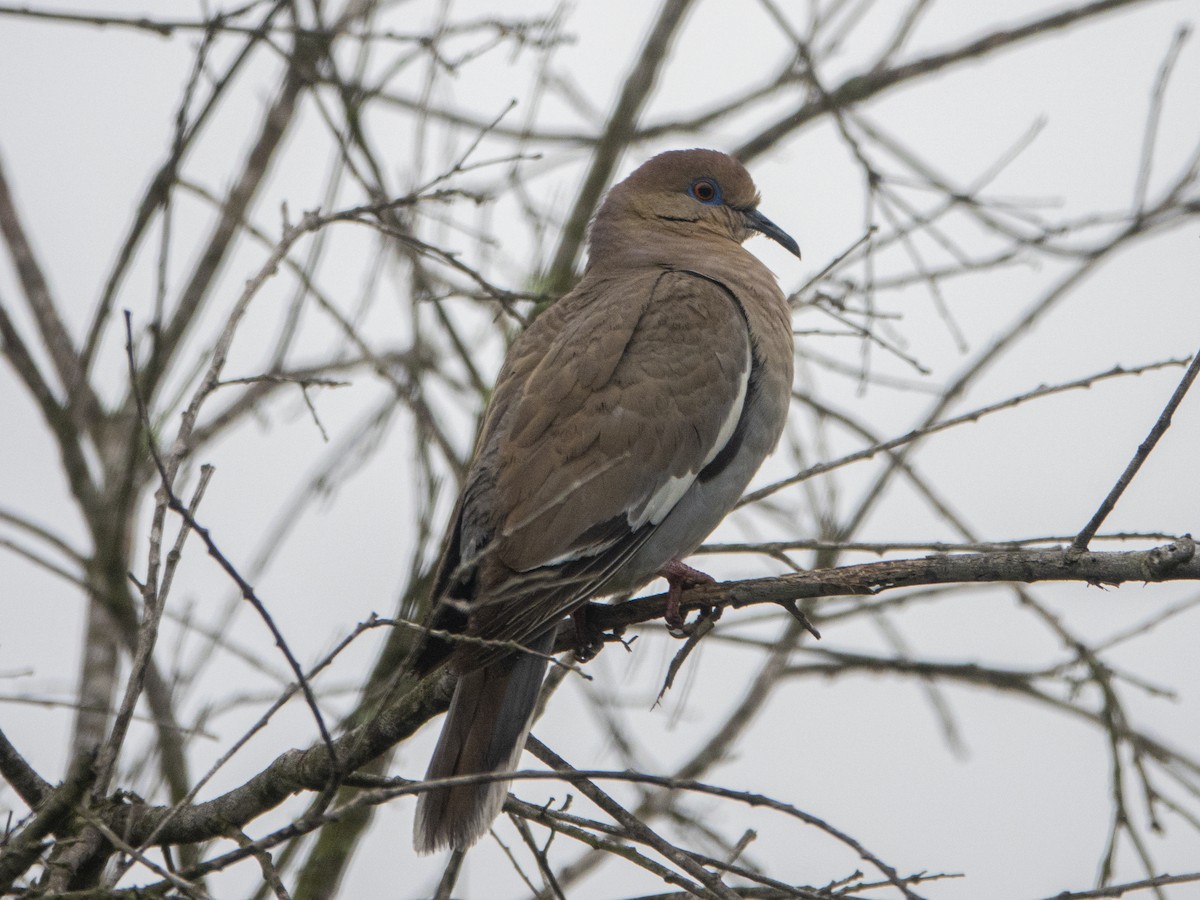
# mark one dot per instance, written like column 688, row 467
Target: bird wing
column 604, row 418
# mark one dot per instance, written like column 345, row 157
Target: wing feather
column 609, row 408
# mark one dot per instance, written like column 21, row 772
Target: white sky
column 85, row 117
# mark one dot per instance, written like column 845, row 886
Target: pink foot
column 680, row 575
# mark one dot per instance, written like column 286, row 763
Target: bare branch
column 42, row 304
column 1143, row 452
column 862, row 87
column 616, row 137
column 22, row 849
column 17, row 772
column 1175, row 561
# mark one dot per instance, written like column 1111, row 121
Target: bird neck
column 634, row 242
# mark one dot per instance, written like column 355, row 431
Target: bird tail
column 484, row 731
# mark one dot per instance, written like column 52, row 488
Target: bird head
column 693, row 193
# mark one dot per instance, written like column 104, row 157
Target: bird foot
column 589, row 640
column 679, row 575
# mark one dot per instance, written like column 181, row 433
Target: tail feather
column 484, row 731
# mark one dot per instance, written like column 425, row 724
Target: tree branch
column 51, row 327
column 1143, row 452
column 1176, row 561
column 310, row 769
column 17, row 772
column 863, row 87
column 616, row 137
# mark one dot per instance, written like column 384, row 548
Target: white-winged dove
column 626, row 422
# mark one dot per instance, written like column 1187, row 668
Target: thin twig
column 248, row 593
column 934, row 427
column 1080, row 544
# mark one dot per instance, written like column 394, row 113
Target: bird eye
column 706, row 191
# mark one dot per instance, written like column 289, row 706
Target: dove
column 625, row 423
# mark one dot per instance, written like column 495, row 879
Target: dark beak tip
column 763, row 225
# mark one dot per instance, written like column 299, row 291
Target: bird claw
column 589, row 640
column 698, row 627
column 679, row 575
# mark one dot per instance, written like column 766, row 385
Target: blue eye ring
column 706, row 190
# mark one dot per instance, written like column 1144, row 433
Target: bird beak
column 756, row 221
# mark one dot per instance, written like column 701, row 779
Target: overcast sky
column 1021, row 808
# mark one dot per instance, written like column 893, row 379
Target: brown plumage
column 625, row 423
